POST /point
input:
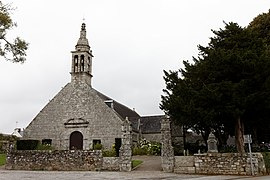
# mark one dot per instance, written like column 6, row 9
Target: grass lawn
column 136, row 163
column 2, row 159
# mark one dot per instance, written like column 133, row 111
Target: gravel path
column 150, row 163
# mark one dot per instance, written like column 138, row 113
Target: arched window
column 76, row 63
column 82, row 63
column 89, row 65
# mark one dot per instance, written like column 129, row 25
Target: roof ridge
column 116, row 102
column 152, row 116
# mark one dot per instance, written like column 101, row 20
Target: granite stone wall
column 220, row 163
column 167, row 153
column 125, row 153
column 55, row 160
column 111, row 164
column 77, row 107
column 184, row 165
column 229, row 163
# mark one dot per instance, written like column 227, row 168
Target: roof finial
column 83, row 40
column 83, row 26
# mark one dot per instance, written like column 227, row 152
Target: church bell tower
column 81, row 69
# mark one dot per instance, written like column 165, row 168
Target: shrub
column 109, row 153
column 5, row 140
column 1, row 147
column 264, row 147
column 139, row 151
column 44, row 147
column 228, row 149
column 97, row 146
column 266, row 157
column 147, row 148
column 7, row 137
column 27, row 144
column 178, row 150
column 195, row 147
column 154, row 148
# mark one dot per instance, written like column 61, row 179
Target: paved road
column 150, row 169
column 86, row 175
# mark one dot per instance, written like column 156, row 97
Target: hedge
column 27, row 144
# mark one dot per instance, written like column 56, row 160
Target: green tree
column 261, row 27
column 221, row 87
column 12, row 51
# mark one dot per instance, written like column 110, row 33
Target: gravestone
column 212, row 143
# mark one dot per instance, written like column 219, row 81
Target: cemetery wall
column 63, row 160
column 68, row 160
column 220, row 163
column 229, row 163
column 110, row 164
column 184, row 165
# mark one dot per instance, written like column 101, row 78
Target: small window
column 97, row 144
column 96, row 141
column 47, row 142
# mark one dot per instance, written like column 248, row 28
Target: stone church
column 80, row 116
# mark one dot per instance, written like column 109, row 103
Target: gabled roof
column 121, row 109
column 148, row 124
column 76, row 105
column 151, row 124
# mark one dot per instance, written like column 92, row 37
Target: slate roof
column 151, row 124
column 121, row 109
column 148, row 124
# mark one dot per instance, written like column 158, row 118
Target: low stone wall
column 184, row 165
column 55, row 160
column 229, row 163
column 110, row 164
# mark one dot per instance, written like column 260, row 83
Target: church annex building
column 80, row 116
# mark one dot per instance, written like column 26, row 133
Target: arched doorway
column 76, row 140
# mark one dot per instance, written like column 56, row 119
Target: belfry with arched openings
column 79, row 116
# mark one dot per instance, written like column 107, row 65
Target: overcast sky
column 133, row 41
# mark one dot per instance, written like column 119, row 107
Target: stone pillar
column 167, row 153
column 212, row 143
column 125, row 152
